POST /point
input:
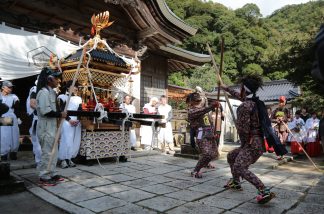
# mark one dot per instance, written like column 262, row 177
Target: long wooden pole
column 309, row 158
column 218, row 91
column 58, row 132
column 221, row 82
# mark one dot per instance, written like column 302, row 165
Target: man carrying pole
column 47, row 124
column 250, row 130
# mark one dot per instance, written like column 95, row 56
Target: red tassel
column 93, row 31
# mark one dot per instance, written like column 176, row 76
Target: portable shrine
column 104, row 78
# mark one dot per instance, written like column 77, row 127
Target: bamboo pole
column 58, row 132
column 218, row 91
column 309, row 158
column 221, row 82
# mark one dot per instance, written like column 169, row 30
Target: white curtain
column 20, row 49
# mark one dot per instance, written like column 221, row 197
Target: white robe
column 70, row 135
column 312, row 126
column 37, row 150
column 298, row 136
column 165, row 134
column 130, row 109
column 146, row 131
column 9, row 134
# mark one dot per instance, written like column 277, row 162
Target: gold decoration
column 100, row 22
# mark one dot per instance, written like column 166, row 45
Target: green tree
column 252, row 69
column 278, row 47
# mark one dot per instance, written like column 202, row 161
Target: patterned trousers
column 209, row 151
column 283, row 137
column 240, row 159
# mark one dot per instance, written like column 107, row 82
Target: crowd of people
column 301, row 127
column 45, row 106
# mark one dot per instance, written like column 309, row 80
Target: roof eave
column 194, row 58
column 171, row 17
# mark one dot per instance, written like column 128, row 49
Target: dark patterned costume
column 280, row 128
column 199, row 119
column 252, row 145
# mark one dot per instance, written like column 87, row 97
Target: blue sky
column 266, row 6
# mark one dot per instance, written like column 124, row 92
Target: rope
column 128, row 115
column 101, row 166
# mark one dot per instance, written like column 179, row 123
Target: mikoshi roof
column 97, row 55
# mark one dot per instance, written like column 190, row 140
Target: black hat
column 253, row 82
column 53, row 73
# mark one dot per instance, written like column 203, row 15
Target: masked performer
column 251, row 136
column 201, row 123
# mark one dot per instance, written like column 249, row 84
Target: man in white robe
column 71, row 129
column 31, row 111
column 165, row 138
column 128, row 107
column 312, row 126
column 9, row 135
column 146, row 131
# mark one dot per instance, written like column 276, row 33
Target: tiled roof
column 271, row 91
column 99, row 56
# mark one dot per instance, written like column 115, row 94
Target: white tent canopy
column 23, row 53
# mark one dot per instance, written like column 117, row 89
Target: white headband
column 247, row 89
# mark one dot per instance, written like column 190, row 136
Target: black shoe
column 122, row 159
column 47, row 182
column 13, row 155
column 133, row 148
column 57, row 178
column 4, row 157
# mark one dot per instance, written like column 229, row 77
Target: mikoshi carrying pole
column 58, row 132
column 309, row 158
column 221, row 81
column 218, row 90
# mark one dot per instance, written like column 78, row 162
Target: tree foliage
column 278, row 47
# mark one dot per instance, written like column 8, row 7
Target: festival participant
column 9, row 135
column 165, row 138
column 312, row 126
column 280, row 116
column 128, row 107
column 304, row 114
column 251, row 137
column 31, row 111
column 200, row 120
column 71, row 128
column 297, row 127
column 47, row 124
column 146, row 131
